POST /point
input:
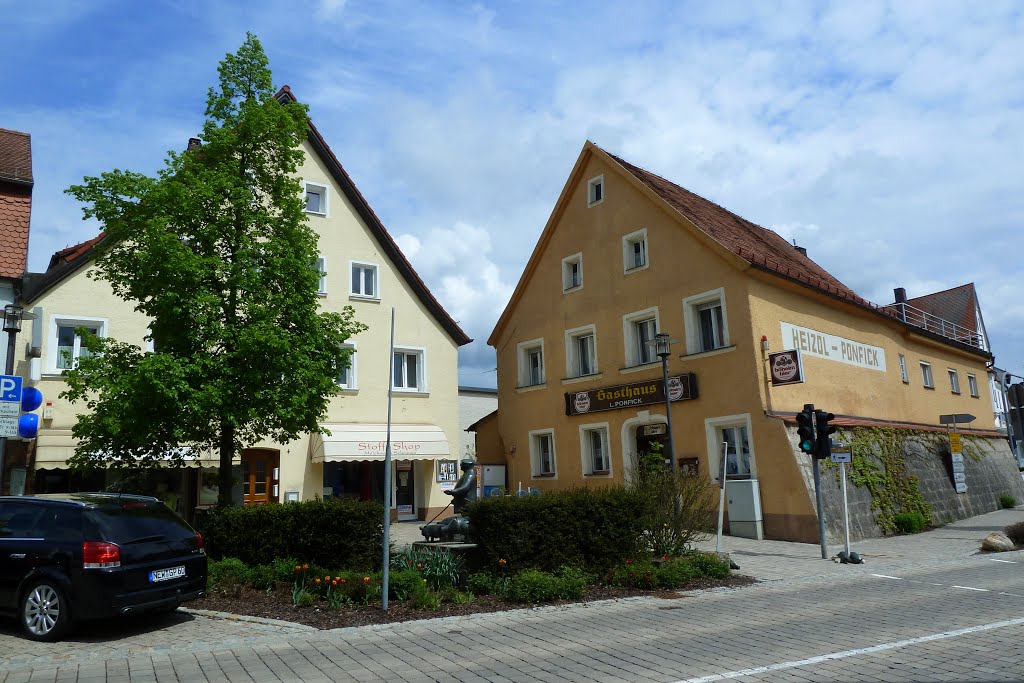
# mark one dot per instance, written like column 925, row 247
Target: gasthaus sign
column 842, row 350
column 680, row 388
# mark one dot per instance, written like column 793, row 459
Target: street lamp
column 13, row 315
column 663, row 347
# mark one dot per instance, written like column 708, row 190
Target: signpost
column 842, row 454
column 956, row 454
column 10, row 405
column 721, row 496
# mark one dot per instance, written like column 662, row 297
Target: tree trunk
column 227, row 453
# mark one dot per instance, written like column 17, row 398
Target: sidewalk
column 780, row 560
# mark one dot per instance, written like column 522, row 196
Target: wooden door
column 258, row 476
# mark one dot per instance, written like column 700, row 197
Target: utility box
column 745, row 517
column 493, row 481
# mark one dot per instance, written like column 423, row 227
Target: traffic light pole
column 821, row 508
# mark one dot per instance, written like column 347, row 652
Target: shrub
column 534, row 585
column 633, row 575
column 267, row 576
column 677, row 509
column 1015, row 532
column 1007, row 501
column 424, row 598
column 909, row 522
column 403, row 583
column 709, row 564
column 441, row 568
column 303, row 598
column 485, row 583
column 675, row 573
column 333, row 532
column 591, row 527
column 228, row 576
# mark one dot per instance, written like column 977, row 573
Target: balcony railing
column 936, row 325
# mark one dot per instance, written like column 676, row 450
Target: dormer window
column 595, row 190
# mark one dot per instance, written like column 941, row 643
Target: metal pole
column 8, row 370
column 846, row 509
column 668, row 413
column 1006, row 415
column 821, row 508
column 721, row 497
column 387, row 476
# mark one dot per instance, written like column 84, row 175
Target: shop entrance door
column 259, row 476
column 649, row 435
column 405, row 490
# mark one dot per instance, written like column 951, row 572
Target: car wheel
column 45, row 611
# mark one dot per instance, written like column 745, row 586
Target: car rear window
column 137, row 522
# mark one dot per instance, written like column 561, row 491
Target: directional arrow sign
column 956, row 418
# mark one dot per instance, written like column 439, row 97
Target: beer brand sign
column 680, row 388
column 786, row 367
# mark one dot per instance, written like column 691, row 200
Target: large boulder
column 997, row 542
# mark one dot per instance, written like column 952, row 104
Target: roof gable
column 958, row 305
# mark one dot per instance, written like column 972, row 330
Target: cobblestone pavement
column 924, row 608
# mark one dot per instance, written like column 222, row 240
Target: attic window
column 595, row 190
column 316, row 198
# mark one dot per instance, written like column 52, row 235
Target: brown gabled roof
column 69, row 254
column 378, row 230
column 15, row 156
column 957, row 305
column 751, row 242
column 15, row 201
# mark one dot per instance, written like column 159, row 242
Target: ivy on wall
column 879, row 464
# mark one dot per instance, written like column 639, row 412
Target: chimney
column 901, row 295
column 194, row 143
column 802, row 250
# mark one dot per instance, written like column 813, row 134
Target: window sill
column 410, row 394
column 582, row 378
column 598, row 474
column 572, row 289
column 348, row 390
column 52, row 374
column 322, row 214
column 367, row 299
column 531, row 387
column 322, row 295
column 975, row 396
column 636, row 269
column 929, row 388
column 955, row 393
column 639, row 368
column 543, row 475
column 712, row 352
column 737, row 477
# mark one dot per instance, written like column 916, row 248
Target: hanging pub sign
column 787, row 367
column 680, row 388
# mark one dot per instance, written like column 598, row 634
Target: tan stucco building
column 362, row 267
column 626, row 254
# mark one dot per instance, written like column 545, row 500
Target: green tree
column 217, row 253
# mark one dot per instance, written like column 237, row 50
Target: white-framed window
column 707, row 326
column 409, row 373
column 581, row 351
column 531, row 362
column 595, row 449
column 638, row 332
column 634, row 251
column 316, row 198
column 364, row 280
column 903, row 369
column 926, row 375
column 542, row 453
column 735, row 431
column 954, row 381
column 595, row 190
column 67, row 346
column 972, row 385
column 321, row 267
column 346, row 379
column 572, row 272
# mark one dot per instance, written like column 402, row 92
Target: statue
column 463, row 493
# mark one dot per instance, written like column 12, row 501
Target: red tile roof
column 760, row 246
column 957, row 305
column 15, row 201
column 69, row 254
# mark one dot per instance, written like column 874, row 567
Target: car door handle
column 18, row 556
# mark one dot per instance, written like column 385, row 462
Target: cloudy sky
column 887, row 138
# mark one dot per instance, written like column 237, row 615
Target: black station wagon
column 77, row 556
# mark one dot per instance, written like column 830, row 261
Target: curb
column 228, row 616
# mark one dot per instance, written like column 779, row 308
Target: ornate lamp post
column 663, row 347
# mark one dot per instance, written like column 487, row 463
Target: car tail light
column 100, row 555
column 200, row 544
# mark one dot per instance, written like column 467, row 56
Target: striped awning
column 367, row 442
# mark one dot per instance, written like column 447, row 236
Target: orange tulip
column 366, row 579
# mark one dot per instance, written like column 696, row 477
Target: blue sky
column 884, row 137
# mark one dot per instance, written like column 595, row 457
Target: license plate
column 166, row 574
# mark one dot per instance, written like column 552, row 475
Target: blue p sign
column 10, row 388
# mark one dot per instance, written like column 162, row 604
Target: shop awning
column 54, row 447
column 357, row 442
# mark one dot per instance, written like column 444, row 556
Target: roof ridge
column 16, row 132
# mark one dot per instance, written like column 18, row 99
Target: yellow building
column 362, row 267
column 626, row 254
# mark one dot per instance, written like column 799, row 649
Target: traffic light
column 805, row 428
column 824, row 432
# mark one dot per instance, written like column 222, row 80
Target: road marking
column 968, row 588
column 1006, row 561
column 852, row 653
column 886, row 576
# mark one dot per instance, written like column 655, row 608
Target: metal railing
column 936, row 325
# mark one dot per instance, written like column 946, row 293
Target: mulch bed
column 278, row 604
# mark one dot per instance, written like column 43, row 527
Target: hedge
column 328, row 533
column 594, row 528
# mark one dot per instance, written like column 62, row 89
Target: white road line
column 968, row 588
column 1006, row 561
column 852, row 653
column 885, row 576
